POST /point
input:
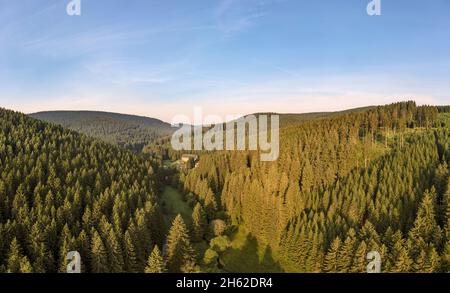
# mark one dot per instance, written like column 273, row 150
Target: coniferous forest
column 345, row 184
column 128, row 131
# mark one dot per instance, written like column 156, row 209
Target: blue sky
column 162, row 58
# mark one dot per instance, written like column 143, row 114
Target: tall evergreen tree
column 179, row 249
column 17, row 263
column 332, row 257
column 130, row 257
column 155, row 263
column 199, row 223
column 426, row 230
column 115, row 258
column 360, row 261
column 346, row 254
column 99, row 256
column 404, row 263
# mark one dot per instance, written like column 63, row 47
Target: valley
column 346, row 183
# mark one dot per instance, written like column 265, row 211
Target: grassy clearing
column 246, row 256
column 173, row 204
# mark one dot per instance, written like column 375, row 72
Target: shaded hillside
column 133, row 132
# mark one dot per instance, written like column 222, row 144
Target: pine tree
column 130, row 257
column 39, row 255
column 99, row 256
column 25, row 265
column 446, row 255
column 404, row 263
column 17, row 263
column 64, row 248
column 307, row 177
column 115, row 257
column 421, row 261
column 199, row 223
column 332, row 257
column 14, row 257
column 360, row 261
column 155, row 263
column 426, row 229
column 345, row 255
column 210, row 204
column 143, row 240
column 434, row 262
column 179, row 249
column 84, row 250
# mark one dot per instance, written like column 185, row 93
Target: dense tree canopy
column 61, row 191
column 343, row 186
column 129, row 131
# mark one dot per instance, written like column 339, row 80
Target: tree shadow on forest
column 246, row 259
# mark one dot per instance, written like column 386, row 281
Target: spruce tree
column 404, row 263
column 84, row 250
column 426, row 230
column 345, row 255
column 17, row 263
column 199, row 223
column 446, row 256
column 433, row 264
column 360, row 261
column 99, row 256
column 130, row 256
column 179, row 249
column 64, row 248
column 332, row 257
column 210, row 204
column 115, row 257
column 155, row 263
column 25, row 265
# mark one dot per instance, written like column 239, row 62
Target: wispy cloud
column 65, row 43
column 126, row 73
column 237, row 15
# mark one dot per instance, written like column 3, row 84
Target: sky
column 162, row 58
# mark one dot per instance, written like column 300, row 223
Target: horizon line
column 244, row 115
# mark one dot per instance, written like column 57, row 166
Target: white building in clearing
column 189, row 157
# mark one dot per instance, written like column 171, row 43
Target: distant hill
column 129, row 131
column 289, row 119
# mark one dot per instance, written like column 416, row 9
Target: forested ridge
column 61, row 191
column 129, row 131
column 344, row 185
